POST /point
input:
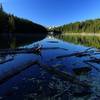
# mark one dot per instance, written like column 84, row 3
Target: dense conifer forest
column 88, row 26
column 13, row 28
column 11, row 23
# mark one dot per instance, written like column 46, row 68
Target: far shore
column 83, row 34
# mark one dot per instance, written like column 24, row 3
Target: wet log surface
column 64, row 75
column 16, row 71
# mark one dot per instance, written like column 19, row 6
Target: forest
column 11, row 23
column 14, row 28
column 88, row 26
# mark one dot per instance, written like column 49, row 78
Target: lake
column 60, row 71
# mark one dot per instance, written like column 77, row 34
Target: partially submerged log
column 82, row 94
column 64, row 75
column 19, row 51
column 77, row 54
column 82, row 70
column 94, row 60
column 16, row 71
column 47, row 48
column 92, row 66
column 52, row 41
column 36, row 50
column 5, row 61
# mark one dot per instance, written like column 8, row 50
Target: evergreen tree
column 88, row 26
column 1, row 8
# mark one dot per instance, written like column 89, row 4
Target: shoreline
column 83, row 34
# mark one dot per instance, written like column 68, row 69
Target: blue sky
column 53, row 12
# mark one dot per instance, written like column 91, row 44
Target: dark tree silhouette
column 12, row 27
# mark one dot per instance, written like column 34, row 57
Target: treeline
column 12, row 24
column 88, row 26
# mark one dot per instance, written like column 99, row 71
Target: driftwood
column 78, row 54
column 82, row 70
column 2, row 62
column 94, row 60
column 87, row 50
column 26, row 50
column 19, row 51
column 64, row 75
column 52, row 41
column 47, row 48
column 16, row 71
column 92, row 66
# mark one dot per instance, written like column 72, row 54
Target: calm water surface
column 37, row 83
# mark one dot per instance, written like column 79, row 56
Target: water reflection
column 20, row 39
column 53, row 77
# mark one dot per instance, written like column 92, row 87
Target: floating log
column 52, row 41
column 92, row 66
column 47, row 48
column 82, row 94
column 2, row 62
column 82, row 70
column 15, row 71
column 87, row 50
column 94, row 60
column 26, row 50
column 19, row 51
column 77, row 54
column 64, row 75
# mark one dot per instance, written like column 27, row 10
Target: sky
column 53, row 12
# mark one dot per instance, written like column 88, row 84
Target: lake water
column 38, row 82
